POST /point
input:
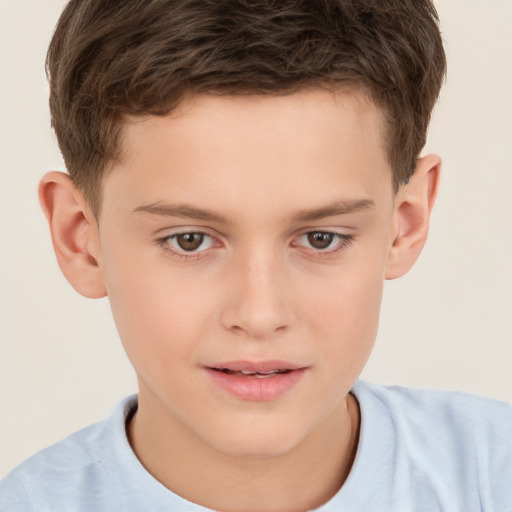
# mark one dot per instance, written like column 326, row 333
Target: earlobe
column 413, row 205
column 74, row 233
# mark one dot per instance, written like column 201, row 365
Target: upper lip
column 255, row 366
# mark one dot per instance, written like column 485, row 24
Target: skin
column 257, row 289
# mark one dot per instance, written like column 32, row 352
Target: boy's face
column 249, row 229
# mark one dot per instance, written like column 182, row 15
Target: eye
column 191, row 242
column 324, row 241
column 320, row 239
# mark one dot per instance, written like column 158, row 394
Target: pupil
column 320, row 240
column 190, row 241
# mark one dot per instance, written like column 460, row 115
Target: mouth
column 261, row 381
column 246, row 373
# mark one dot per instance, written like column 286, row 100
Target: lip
column 256, row 366
column 253, row 388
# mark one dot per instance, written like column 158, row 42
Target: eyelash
column 343, row 241
column 164, row 244
column 340, row 240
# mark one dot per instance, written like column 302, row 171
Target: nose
column 260, row 302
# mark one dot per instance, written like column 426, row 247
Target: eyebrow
column 333, row 209
column 181, row 210
column 191, row 212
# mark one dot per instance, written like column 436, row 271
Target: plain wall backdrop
column 447, row 324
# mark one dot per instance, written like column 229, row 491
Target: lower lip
column 256, row 389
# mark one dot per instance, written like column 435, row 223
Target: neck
column 302, row 479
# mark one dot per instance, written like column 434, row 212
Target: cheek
column 158, row 308
column 346, row 316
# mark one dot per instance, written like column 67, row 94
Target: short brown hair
column 109, row 59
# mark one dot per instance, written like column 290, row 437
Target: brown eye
column 188, row 244
column 320, row 239
column 190, row 241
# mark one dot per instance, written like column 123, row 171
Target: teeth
column 260, row 375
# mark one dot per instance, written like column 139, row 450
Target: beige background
column 448, row 324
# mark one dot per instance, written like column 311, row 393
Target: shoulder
column 443, row 441
column 423, row 398
column 69, row 466
column 454, row 411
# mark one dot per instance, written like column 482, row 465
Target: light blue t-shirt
column 419, row 451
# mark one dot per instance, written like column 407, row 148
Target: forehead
column 258, row 118
column 222, row 148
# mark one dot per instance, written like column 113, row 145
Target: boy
column 243, row 177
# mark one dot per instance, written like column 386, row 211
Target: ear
column 413, row 204
column 74, row 233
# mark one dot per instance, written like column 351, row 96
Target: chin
column 254, row 440
column 256, row 448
